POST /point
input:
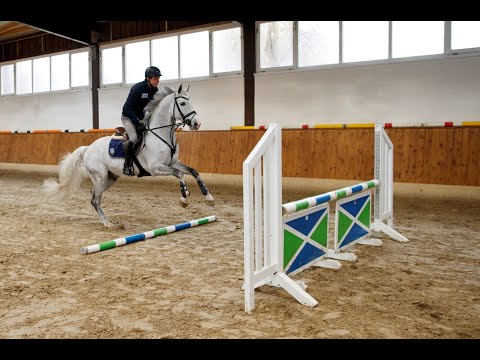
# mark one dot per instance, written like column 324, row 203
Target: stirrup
column 128, row 170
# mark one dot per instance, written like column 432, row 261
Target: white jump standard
column 275, row 246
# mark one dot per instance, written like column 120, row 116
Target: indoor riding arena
column 312, row 135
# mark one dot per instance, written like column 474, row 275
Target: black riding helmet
column 152, row 71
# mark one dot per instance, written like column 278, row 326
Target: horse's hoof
column 210, row 202
column 209, row 197
column 183, row 202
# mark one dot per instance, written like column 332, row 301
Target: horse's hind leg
column 101, row 184
column 203, row 188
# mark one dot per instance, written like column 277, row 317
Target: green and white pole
column 146, row 235
column 307, row 203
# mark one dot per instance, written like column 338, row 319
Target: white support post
column 267, row 269
column 249, row 270
column 383, row 203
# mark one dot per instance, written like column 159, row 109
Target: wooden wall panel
column 290, row 151
column 449, row 159
column 449, row 156
column 367, row 159
column 44, row 149
column 473, row 175
column 405, row 175
column 465, row 155
column 434, row 169
column 343, row 158
column 317, row 148
column 459, row 166
column 396, row 139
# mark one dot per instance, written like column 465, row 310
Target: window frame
column 178, row 54
column 448, row 53
column 124, row 59
column 448, row 44
column 49, row 77
column 69, row 89
column 294, row 49
column 89, row 56
column 69, row 73
column 150, row 38
column 226, row 73
column 14, row 77
column 31, row 76
column 180, row 78
column 106, row 47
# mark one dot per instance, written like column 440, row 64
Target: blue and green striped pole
column 307, row 203
column 146, row 235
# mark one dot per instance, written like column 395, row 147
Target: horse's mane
column 157, row 98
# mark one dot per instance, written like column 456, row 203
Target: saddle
column 118, row 147
column 120, row 133
column 118, row 144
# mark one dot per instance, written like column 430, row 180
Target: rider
column 132, row 112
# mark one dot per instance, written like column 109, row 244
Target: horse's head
column 183, row 109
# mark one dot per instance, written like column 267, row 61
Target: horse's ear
column 188, row 87
column 179, row 89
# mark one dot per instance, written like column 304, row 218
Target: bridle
column 174, row 125
column 185, row 119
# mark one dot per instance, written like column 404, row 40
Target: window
column 165, row 56
column 24, row 77
column 137, row 59
column 465, row 34
column 179, row 56
column 8, row 79
column 365, row 40
column 276, row 44
column 318, row 43
column 80, row 69
column 41, row 74
column 227, row 50
column 194, row 54
column 60, row 72
column 112, row 72
column 415, row 38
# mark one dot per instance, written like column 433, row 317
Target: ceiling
column 77, row 30
column 80, row 30
column 11, row 30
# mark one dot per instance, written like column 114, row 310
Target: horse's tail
column 71, row 173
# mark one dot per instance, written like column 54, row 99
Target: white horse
column 158, row 156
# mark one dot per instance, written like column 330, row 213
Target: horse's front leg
column 183, row 187
column 203, row 188
column 164, row 170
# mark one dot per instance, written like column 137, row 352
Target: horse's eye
column 182, row 103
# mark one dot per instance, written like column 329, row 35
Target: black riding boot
column 128, row 166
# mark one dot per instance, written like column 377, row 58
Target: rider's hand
column 141, row 127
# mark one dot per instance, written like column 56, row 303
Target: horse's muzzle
column 194, row 123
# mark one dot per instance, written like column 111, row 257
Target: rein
column 174, row 126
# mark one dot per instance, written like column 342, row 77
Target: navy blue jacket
column 140, row 94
